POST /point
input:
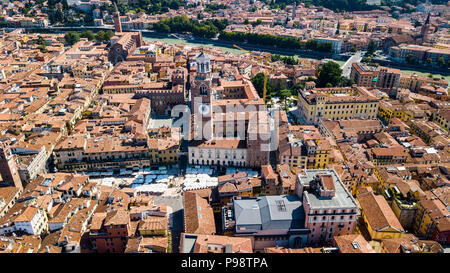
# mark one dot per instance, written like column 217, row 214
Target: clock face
column 203, row 109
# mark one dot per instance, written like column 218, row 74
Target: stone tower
column 8, row 167
column 294, row 10
column 201, row 94
column 425, row 29
column 201, row 87
column 116, row 18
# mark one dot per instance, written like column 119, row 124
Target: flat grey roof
column 342, row 199
column 247, row 212
column 270, row 212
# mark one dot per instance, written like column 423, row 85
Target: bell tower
column 8, row 167
column 425, row 29
column 116, row 18
column 200, row 94
column 201, row 88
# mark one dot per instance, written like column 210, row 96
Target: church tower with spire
column 116, row 18
column 294, row 10
column 425, row 29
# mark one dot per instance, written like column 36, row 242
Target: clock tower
column 201, row 94
column 201, row 87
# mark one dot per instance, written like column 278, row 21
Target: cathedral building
column 123, row 44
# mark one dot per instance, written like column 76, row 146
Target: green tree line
column 285, row 59
column 183, row 24
column 275, row 40
column 336, row 5
column 101, row 36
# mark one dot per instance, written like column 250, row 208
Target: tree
column 41, row 41
column 100, row 36
column 108, row 35
column 297, row 87
column 161, row 27
column 42, row 48
column 258, row 22
column 346, row 82
column 174, row 5
column 55, row 16
column 441, row 61
column 429, row 61
column 353, row 49
column 371, row 48
column 72, row 37
column 258, row 83
column 325, row 47
column 88, row 34
column 312, row 44
column 410, row 59
column 284, row 94
column 329, row 74
column 246, row 21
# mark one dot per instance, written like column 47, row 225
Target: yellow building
column 426, row 130
column 169, row 155
column 431, row 221
column 337, row 103
column 414, row 82
column 153, row 226
column 443, row 118
column 422, row 221
column 322, row 155
column 393, row 109
column 164, row 145
column 378, row 219
column 304, row 147
column 381, row 174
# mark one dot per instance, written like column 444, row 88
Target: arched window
column 203, row 90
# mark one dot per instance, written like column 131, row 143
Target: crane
column 266, row 63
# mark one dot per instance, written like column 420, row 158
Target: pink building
column 330, row 210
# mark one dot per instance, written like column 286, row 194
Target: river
column 225, row 47
column 170, row 40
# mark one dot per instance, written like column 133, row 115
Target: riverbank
column 228, row 46
column 416, row 68
column 150, row 35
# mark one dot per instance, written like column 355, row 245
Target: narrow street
column 176, row 218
